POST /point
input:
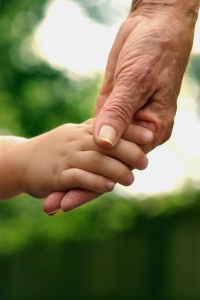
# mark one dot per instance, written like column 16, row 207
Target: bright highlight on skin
column 68, row 39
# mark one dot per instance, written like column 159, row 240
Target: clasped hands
column 141, row 85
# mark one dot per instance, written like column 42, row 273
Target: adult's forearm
column 181, row 14
column 193, row 4
column 186, row 7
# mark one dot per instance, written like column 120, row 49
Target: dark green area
column 152, row 255
column 114, row 248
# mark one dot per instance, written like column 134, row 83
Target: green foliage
column 35, row 98
column 194, row 67
column 23, row 224
column 194, row 73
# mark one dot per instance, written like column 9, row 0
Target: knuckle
column 98, row 185
column 134, row 158
column 123, row 176
column 95, row 159
column 120, row 110
column 75, row 177
column 164, row 129
column 138, row 161
column 168, row 131
column 137, row 79
column 71, row 158
column 125, row 28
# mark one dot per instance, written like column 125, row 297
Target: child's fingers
column 134, row 133
column 104, row 165
column 127, row 152
column 77, row 178
column 77, row 197
column 138, row 134
column 130, row 154
column 88, row 122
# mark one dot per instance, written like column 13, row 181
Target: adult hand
column 145, row 70
column 143, row 78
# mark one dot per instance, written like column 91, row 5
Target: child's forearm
column 11, row 167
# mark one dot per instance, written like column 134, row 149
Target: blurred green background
column 114, row 248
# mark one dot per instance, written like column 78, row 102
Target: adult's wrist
column 188, row 8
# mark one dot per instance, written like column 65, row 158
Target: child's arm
column 63, row 159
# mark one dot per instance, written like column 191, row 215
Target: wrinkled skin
column 143, row 77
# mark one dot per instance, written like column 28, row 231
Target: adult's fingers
column 51, row 204
column 67, row 201
column 159, row 119
column 77, row 197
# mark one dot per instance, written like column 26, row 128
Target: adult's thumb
column 115, row 115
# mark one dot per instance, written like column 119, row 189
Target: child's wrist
column 11, row 167
column 21, row 164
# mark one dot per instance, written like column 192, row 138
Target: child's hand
column 74, row 198
column 67, row 158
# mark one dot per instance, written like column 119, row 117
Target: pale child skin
column 67, row 158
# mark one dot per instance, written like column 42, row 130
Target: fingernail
column 147, row 135
column 110, row 186
column 108, row 134
column 53, row 213
column 130, row 179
